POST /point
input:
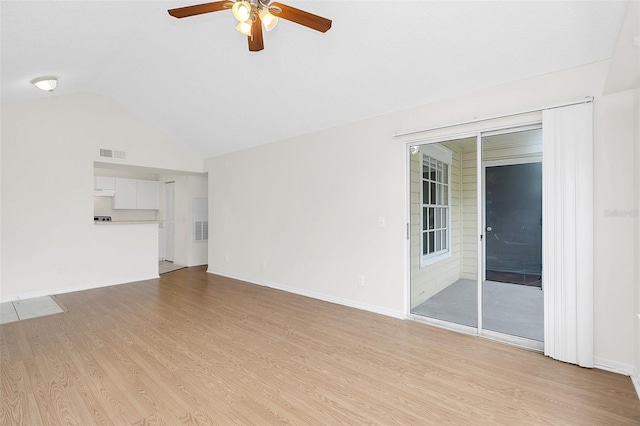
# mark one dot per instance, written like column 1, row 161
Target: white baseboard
column 315, row 295
column 614, row 366
column 89, row 286
column 635, row 379
column 197, row 264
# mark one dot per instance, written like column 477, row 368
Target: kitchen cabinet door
column 126, row 194
column 148, row 197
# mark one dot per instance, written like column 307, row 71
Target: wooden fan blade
column 198, row 9
column 256, row 43
column 301, row 17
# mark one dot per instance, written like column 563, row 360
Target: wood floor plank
column 18, row 406
column 193, row 348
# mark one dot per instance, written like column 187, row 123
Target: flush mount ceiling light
column 48, row 84
column 253, row 14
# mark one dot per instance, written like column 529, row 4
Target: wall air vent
column 200, row 220
column 109, row 153
column 201, row 231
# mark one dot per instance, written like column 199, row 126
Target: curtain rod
column 461, row 123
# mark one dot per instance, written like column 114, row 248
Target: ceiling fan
column 252, row 13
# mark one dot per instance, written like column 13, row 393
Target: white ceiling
column 195, row 79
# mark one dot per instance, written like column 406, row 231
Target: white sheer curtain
column 568, row 233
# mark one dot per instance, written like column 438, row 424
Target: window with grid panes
column 435, row 207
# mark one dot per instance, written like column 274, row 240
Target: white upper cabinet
column 148, row 197
column 136, row 194
column 104, row 186
column 126, row 196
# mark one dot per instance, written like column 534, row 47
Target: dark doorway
column 514, row 223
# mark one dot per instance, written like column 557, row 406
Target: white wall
column 614, row 253
column 636, row 107
column 49, row 242
column 302, row 214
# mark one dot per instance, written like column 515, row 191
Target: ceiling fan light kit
column 253, row 14
column 268, row 20
column 241, row 10
column 244, row 27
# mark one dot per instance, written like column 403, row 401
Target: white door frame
column 170, row 227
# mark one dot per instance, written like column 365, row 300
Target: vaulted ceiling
column 195, row 80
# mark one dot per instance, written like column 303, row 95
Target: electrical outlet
column 382, row 222
column 360, row 281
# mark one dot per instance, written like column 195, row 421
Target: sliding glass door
column 512, row 294
column 443, row 230
column 475, row 234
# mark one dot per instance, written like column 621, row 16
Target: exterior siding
column 427, row 281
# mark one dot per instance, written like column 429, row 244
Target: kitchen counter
column 160, row 223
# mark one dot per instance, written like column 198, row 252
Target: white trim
column 438, row 152
column 613, row 366
column 587, row 99
column 512, row 161
column 513, row 129
column 479, row 231
column 445, row 325
column 82, row 287
column 430, row 259
column 509, row 339
column 441, row 138
column 635, row 379
column 407, row 245
column 444, row 155
column 315, row 295
column 520, row 342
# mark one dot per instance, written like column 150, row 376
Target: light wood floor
column 194, row 348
